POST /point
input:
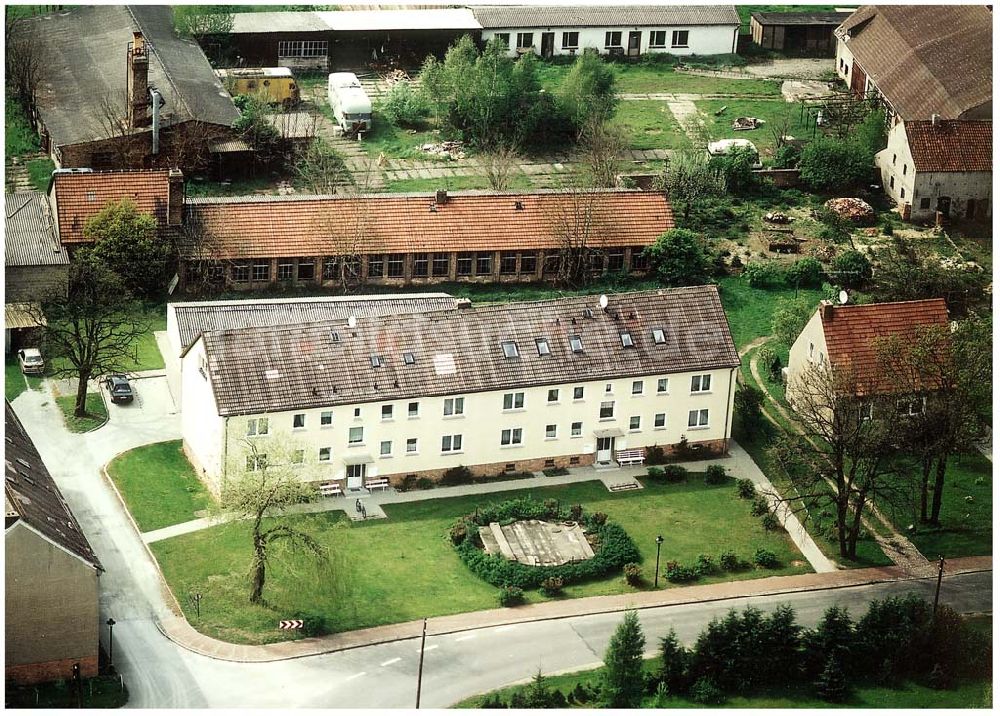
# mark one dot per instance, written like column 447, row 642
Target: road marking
column 361, row 673
column 391, row 661
column 429, row 648
column 466, row 637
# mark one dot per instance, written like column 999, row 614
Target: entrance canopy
column 357, row 459
column 609, row 433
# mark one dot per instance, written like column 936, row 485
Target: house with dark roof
column 801, row 33
column 630, row 30
column 51, row 572
column 940, row 165
column 921, row 60
column 118, row 88
column 498, row 388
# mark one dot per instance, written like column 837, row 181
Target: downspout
column 729, row 401
column 154, row 95
column 736, row 38
column 225, row 453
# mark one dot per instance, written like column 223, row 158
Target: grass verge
column 751, row 310
column 97, row 412
column 651, row 125
column 518, row 182
column 15, row 382
column 159, row 485
column 404, row 568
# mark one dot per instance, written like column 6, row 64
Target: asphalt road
column 161, row 674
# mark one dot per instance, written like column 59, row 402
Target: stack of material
column 394, row 76
column 776, row 217
column 744, row 123
column 447, row 150
column 852, row 209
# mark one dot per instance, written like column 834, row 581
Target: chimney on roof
column 137, row 82
column 175, row 197
column 826, row 311
column 441, row 197
column 935, row 120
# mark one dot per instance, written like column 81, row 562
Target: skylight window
column 510, row 349
column 627, row 341
column 409, row 358
column 659, row 337
column 376, row 361
column 576, row 344
column 543, row 346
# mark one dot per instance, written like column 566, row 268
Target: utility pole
column 111, row 643
column 937, row 591
column 420, row 667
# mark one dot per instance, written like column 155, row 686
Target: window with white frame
column 636, row 387
column 387, row 412
column 326, row 418
column 701, row 383
column 356, row 436
column 542, row 344
column 413, row 410
column 513, row 401
column 634, row 422
column 356, row 471
column 679, row 38
column 357, row 413
column 324, row 454
column 525, row 40
column 609, row 388
column 575, row 430
column 578, row 392
column 298, row 421
column 576, row 344
column 607, row 410
column 911, row 406
column 503, row 38
column 385, row 448
column 658, row 38
column 257, row 426
column 660, row 421
column 626, row 339
column 661, row 385
column 613, row 38
column 256, row 462
column 454, row 406
column 411, row 445
column 553, row 396
column 570, row 40
column 659, row 336
column 510, row 436
column 451, row 443
column 550, row 431
column 698, row 419
column 302, row 48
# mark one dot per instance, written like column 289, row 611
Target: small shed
column 801, row 33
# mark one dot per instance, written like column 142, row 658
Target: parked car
column 31, row 361
column 119, row 388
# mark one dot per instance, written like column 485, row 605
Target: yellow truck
column 276, row 83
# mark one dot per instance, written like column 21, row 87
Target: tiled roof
column 800, row 18
column 81, row 195
column 31, row 493
column 198, row 316
column 30, row 239
column 514, row 16
column 926, row 59
column 951, row 146
column 84, row 53
column 459, row 351
column 851, row 333
column 289, row 226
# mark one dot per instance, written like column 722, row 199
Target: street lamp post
column 420, row 667
column 111, row 642
column 656, row 576
column 937, row 591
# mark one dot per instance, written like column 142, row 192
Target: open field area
column 650, row 125
column 661, row 77
column 403, row 568
column 780, row 118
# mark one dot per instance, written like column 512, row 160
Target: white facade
column 418, row 434
column 808, row 349
column 632, row 41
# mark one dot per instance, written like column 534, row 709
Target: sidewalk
column 180, row 632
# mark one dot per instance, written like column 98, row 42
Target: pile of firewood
column 446, row 150
column 852, row 209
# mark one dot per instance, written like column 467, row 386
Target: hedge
column 614, row 549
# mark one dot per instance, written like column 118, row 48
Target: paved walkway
column 179, row 631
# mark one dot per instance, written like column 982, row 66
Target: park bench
column 623, row 486
column 636, row 456
column 330, row 489
column 380, row 484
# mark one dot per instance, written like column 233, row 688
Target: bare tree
column 500, row 164
column 578, row 225
column 602, row 144
column 22, row 61
column 263, row 490
column 127, row 146
column 321, row 168
column 845, row 456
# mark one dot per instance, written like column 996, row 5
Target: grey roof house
column 35, row 262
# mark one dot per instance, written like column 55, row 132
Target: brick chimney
column 441, row 197
column 826, row 311
column 137, row 82
column 175, row 197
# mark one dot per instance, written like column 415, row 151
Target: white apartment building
column 627, row 30
column 515, row 387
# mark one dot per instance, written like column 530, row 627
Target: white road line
column 466, row 637
column 391, row 661
column 361, row 673
column 429, row 648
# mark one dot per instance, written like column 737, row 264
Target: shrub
column 424, row 483
column 679, row 257
column 555, row 471
column 766, row 558
column 832, row 683
column 492, row 701
column 770, row 522
column 511, row 596
column 633, row 574
column 404, row 105
column 458, row 475
column 705, row 565
column 762, row 274
column 679, row 573
column 552, row 586
column 769, row 361
column 655, row 474
column 576, row 513
column 747, row 402
column 732, row 563
column 655, row 455
column 745, row 489
column 805, row 273
column 312, row 624
column 760, row 506
column 706, row 692
column 786, row 156
column 407, row 483
column 790, row 317
column 830, row 163
column 715, row 475
column 598, row 519
column 851, row 268
column 551, row 507
column 459, row 532
column 675, row 473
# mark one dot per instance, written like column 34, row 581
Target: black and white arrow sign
column 290, row 624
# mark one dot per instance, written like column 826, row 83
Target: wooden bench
column 381, row 484
column 331, row 489
column 635, row 456
column 623, row 486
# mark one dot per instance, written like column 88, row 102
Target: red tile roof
column 952, row 146
column 80, row 196
column 852, row 331
column 275, row 227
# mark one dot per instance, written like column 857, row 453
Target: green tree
column 747, row 403
column 259, row 494
column 828, row 163
column 736, row 167
column 126, row 241
column 679, row 257
column 851, row 269
column 91, row 329
column 690, row 180
column 255, row 127
column 404, row 105
column 790, row 316
column 623, row 677
column 199, row 20
column 832, row 683
column 588, row 91
column 832, row 638
column 674, row 660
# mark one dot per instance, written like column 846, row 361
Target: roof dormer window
column 409, row 358
column 376, row 361
column 542, row 344
column 659, row 337
column 627, row 341
column 576, row 344
column 510, row 349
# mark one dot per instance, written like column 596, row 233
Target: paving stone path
column 17, row 177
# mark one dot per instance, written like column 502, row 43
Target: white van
column 724, row 146
column 350, row 104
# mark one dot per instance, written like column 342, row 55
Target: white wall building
column 498, row 389
column 628, row 30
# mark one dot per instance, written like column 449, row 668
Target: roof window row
column 511, row 350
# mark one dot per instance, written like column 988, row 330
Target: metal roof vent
column 518, row 206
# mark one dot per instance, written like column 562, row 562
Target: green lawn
column 405, row 568
column 40, row 171
column 99, row 692
column 651, row 125
column 518, row 182
column 774, row 113
column 97, row 412
column 397, row 142
column 159, row 485
column 19, row 137
column 969, row 694
column 147, row 352
column 750, row 310
column 642, row 78
column 15, row 382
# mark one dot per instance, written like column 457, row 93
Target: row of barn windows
column 612, row 38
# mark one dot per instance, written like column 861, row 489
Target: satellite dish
column 603, row 301
column 352, row 322
column 843, row 298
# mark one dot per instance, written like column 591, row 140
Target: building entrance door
column 356, row 476
column 548, row 44
column 634, row 40
column 944, row 205
column 605, row 449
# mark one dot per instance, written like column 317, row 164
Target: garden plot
column 537, row 543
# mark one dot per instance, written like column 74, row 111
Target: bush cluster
column 633, row 574
column 705, row 565
column 766, row 558
column 312, row 624
column 511, row 596
column 614, row 547
column 745, row 489
column 715, row 475
column 804, row 273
